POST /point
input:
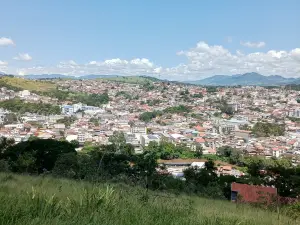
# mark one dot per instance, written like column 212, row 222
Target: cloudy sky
column 177, row 40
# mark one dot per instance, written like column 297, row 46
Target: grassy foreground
column 46, row 200
column 30, row 85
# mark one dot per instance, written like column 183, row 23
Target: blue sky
column 172, row 39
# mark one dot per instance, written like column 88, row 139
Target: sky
column 170, row 39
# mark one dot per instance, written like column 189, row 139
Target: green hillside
column 45, row 200
column 17, row 84
column 132, row 79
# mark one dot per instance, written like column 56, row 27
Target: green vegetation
column 45, row 201
column 123, row 93
column 19, row 84
column 232, row 155
column 132, row 79
column 89, row 99
column 167, row 150
column 153, row 102
column 17, row 105
column 10, row 118
column 67, row 120
column 294, row 119
column 94, row 120
column 148, row 116
column 199, row 95
column 116, row 163
column 268, row 129
column 225, row 108
column 256, row 109
column 148, row 86
column 211, row 89
column 177, row 109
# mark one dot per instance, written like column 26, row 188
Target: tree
column 43, row 153
column 5, row 143
column 32, row 138
column 118, row 140
column 66, row 165
column 75, row 143
column 10, row 118
column 199, row 151
column 268, row 129
column 225, row 151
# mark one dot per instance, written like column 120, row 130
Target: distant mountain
column 57, row 76
column 2, row 73
column 245, row 79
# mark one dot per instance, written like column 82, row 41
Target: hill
column 132, row 79
column 17, row 83
column 245, row 79
column 60, row 76
column 45, row 200
column 117, row 78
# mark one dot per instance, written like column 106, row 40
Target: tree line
column 20, row 106
column 116, row 162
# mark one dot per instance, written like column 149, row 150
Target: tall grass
column 45, row 200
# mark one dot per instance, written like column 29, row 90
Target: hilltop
column 245, row 79
column 117, row 78
column 17, row 83
column 45, row 200
column 132, row 79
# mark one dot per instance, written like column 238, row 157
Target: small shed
column 253, row 193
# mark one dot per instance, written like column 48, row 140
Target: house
column 252, row 193
column 146, row 139
column 245, row 134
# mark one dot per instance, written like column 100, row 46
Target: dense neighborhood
column 251, row 120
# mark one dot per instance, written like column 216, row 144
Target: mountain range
column 246, row 79
column 57, row 76
column 217, row 80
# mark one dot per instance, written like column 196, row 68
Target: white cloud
column 249, row 44
column 202, row 61
column 3, row 63
column 6, row 41
column 23, row 57
column 205, row 60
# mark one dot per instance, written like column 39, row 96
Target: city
column 150, row 112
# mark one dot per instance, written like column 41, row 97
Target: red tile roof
column 252, row 193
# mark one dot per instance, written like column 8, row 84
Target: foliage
column 268, row 129
column 35, row 156
column 44, row 200
column 256, row 109
column 211, row 89
column 153, row 102
column 198, row 95
column 177, row 109
column 225, row 108
column 67, row 120
column 132, row 79
column 167, row 150
column 94, row 120
column 148, row 86
column 148, row 116
column 88, row 99
column 294, row 119
column 66, row 165
column 233, row 155
column 75, row 143
column 18, row 84
column 123, row 93
column 17, row 105
column 10, row 118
